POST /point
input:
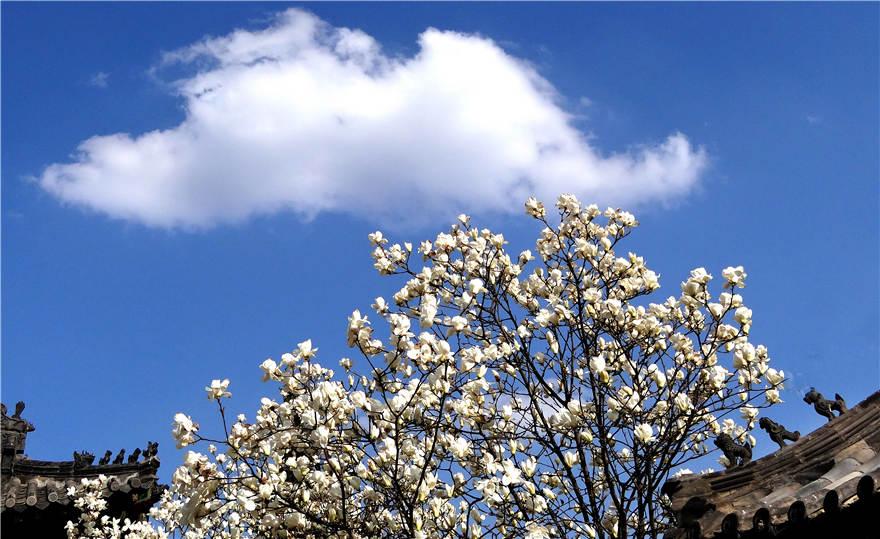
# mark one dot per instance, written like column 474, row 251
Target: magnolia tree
column 514, row 395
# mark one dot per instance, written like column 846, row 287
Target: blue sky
column 116, row 313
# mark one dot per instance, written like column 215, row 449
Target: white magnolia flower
column 743, row 315
column 529, row 466
column 644, row 433
column 460, row 448
column 218, row 389
column 535, row 208
column 734, row 276
column 376, row 238
column 774, row 377
column 536, row 531
column 700, row 275
column 657, row 375
column 322, row 435
column 359, row 399
column 749, row 413
column 743, row 355
column 716, row 310
column 380, row 306
column 568, row 203
column 270, row 370
column 551, row 340
column 458, row 323
column 476, row 286
column 305, row 350
column 512, row 474
column 428, row 311
column 184, row 430
column 683, row 402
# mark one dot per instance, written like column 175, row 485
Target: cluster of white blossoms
column 529, row 395
column 91, row 503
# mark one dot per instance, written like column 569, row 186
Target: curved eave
column 40, row 484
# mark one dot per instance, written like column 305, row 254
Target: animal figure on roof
column 777, row 432
column 151, row 450
column 736, row 454
column 82, row 459
column 825, row 407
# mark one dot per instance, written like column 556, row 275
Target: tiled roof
column 830, row 468
column 35, row 483
column 34, row 499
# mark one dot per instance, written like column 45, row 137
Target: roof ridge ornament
column 737, row 455
column 777, row 432
column 14, row 430
column 82, row 459
column 825, row 407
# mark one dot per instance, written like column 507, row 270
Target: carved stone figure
column 106, row 458
column 823, row 406
column 689, row 518
column 14, row 430
column 737, row 454
column 119, row 457
column 82, row 460
column 134, row 456
column 151, row 450
column 777, row 432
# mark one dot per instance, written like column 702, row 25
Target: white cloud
column 305, row 117
column 100, row 79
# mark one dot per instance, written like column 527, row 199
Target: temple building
column 35, row 499
column 824, row 485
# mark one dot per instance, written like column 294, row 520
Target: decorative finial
column 119, row 457
column 736, row 454
column 151, row 450
column 106, row 458
column 15, row 431
column 82, row 460
column 823, row 406
column 777, row 432
column 134, row 456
